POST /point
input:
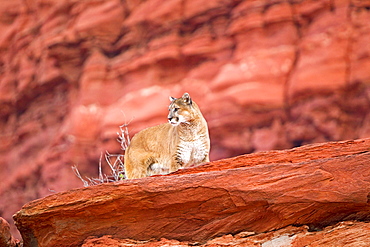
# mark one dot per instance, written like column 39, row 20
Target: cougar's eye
column 175, row 109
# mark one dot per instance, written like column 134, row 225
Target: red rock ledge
column 315, row 185
column 6, row 239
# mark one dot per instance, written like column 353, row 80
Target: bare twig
column 117, row 169
column 77, row 173
column 124, row 137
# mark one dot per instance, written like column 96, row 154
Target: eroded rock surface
column 315, row 185
column 6, row 239
column 267, row 75
column 354, row 234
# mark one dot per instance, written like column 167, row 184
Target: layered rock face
column 308, row 187
column 266, row 74
column 6, row 239
column 344, row 234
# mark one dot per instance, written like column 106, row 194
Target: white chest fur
column 192, row 152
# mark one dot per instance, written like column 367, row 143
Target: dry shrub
column 114, row 161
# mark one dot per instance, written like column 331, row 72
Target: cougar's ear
column 172, row 98
column 187, row 99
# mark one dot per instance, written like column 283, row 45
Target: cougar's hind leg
column 135, row 166
column 156, row 168
column 139, row 166
column 135, row 172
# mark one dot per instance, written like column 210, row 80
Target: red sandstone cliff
column 247, row 196
column 267, row 75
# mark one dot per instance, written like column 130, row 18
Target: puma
column 162, row 149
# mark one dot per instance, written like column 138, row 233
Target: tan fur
column 182, row 142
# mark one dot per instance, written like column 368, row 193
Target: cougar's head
column 180, row 110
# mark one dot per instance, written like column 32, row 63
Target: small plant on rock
column 114, row 161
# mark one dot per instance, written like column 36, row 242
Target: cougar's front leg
column 176, row 163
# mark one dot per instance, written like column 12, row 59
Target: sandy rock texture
column 267, row 75
column 347, row 233
column 6, row 238
column 296, row 187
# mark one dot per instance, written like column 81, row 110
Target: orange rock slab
column 315, row 185
column 6, row 239
column 345, row 233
